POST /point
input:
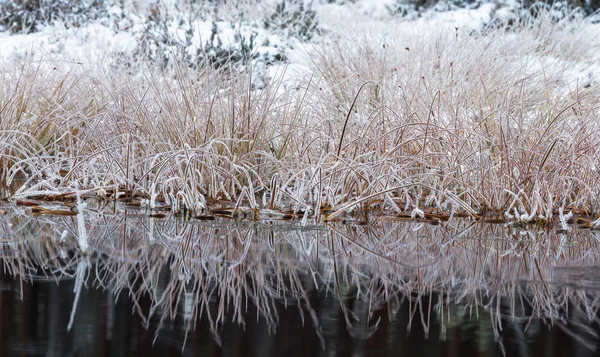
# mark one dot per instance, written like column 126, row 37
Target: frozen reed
column 501, row 121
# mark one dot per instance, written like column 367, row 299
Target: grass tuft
column 493, row 124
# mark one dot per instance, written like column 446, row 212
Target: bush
column 170, row 35
column 26, row 16
column 295, row 19
column 520, row 9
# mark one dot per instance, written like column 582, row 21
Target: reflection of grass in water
column 214, row 269
column 445, row 123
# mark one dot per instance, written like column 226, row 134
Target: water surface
column 163, row 287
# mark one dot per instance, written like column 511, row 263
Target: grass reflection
column 515, row 278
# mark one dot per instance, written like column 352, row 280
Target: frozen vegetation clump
column 451, row 114
column 294, row 19
column 195, row 34
column 26, row 16
column 171, row 36
column 201, row 36
column 511, row 14
column 503, row 11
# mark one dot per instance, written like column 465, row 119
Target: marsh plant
column 495, row 123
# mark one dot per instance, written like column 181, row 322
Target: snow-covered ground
column 270, row 32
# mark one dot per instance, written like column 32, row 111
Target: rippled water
column 164, row 287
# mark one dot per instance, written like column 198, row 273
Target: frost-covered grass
column 457, row 114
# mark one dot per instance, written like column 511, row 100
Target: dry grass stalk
column 482, row 123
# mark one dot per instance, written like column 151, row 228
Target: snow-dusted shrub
column 295, row 19
column 26, row 16
column 509, row 10
column 416, row 7
column 181, row 36
column 527, row 13
column 199, row 36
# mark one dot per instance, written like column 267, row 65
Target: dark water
column 34, row 323
column 150, row 287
